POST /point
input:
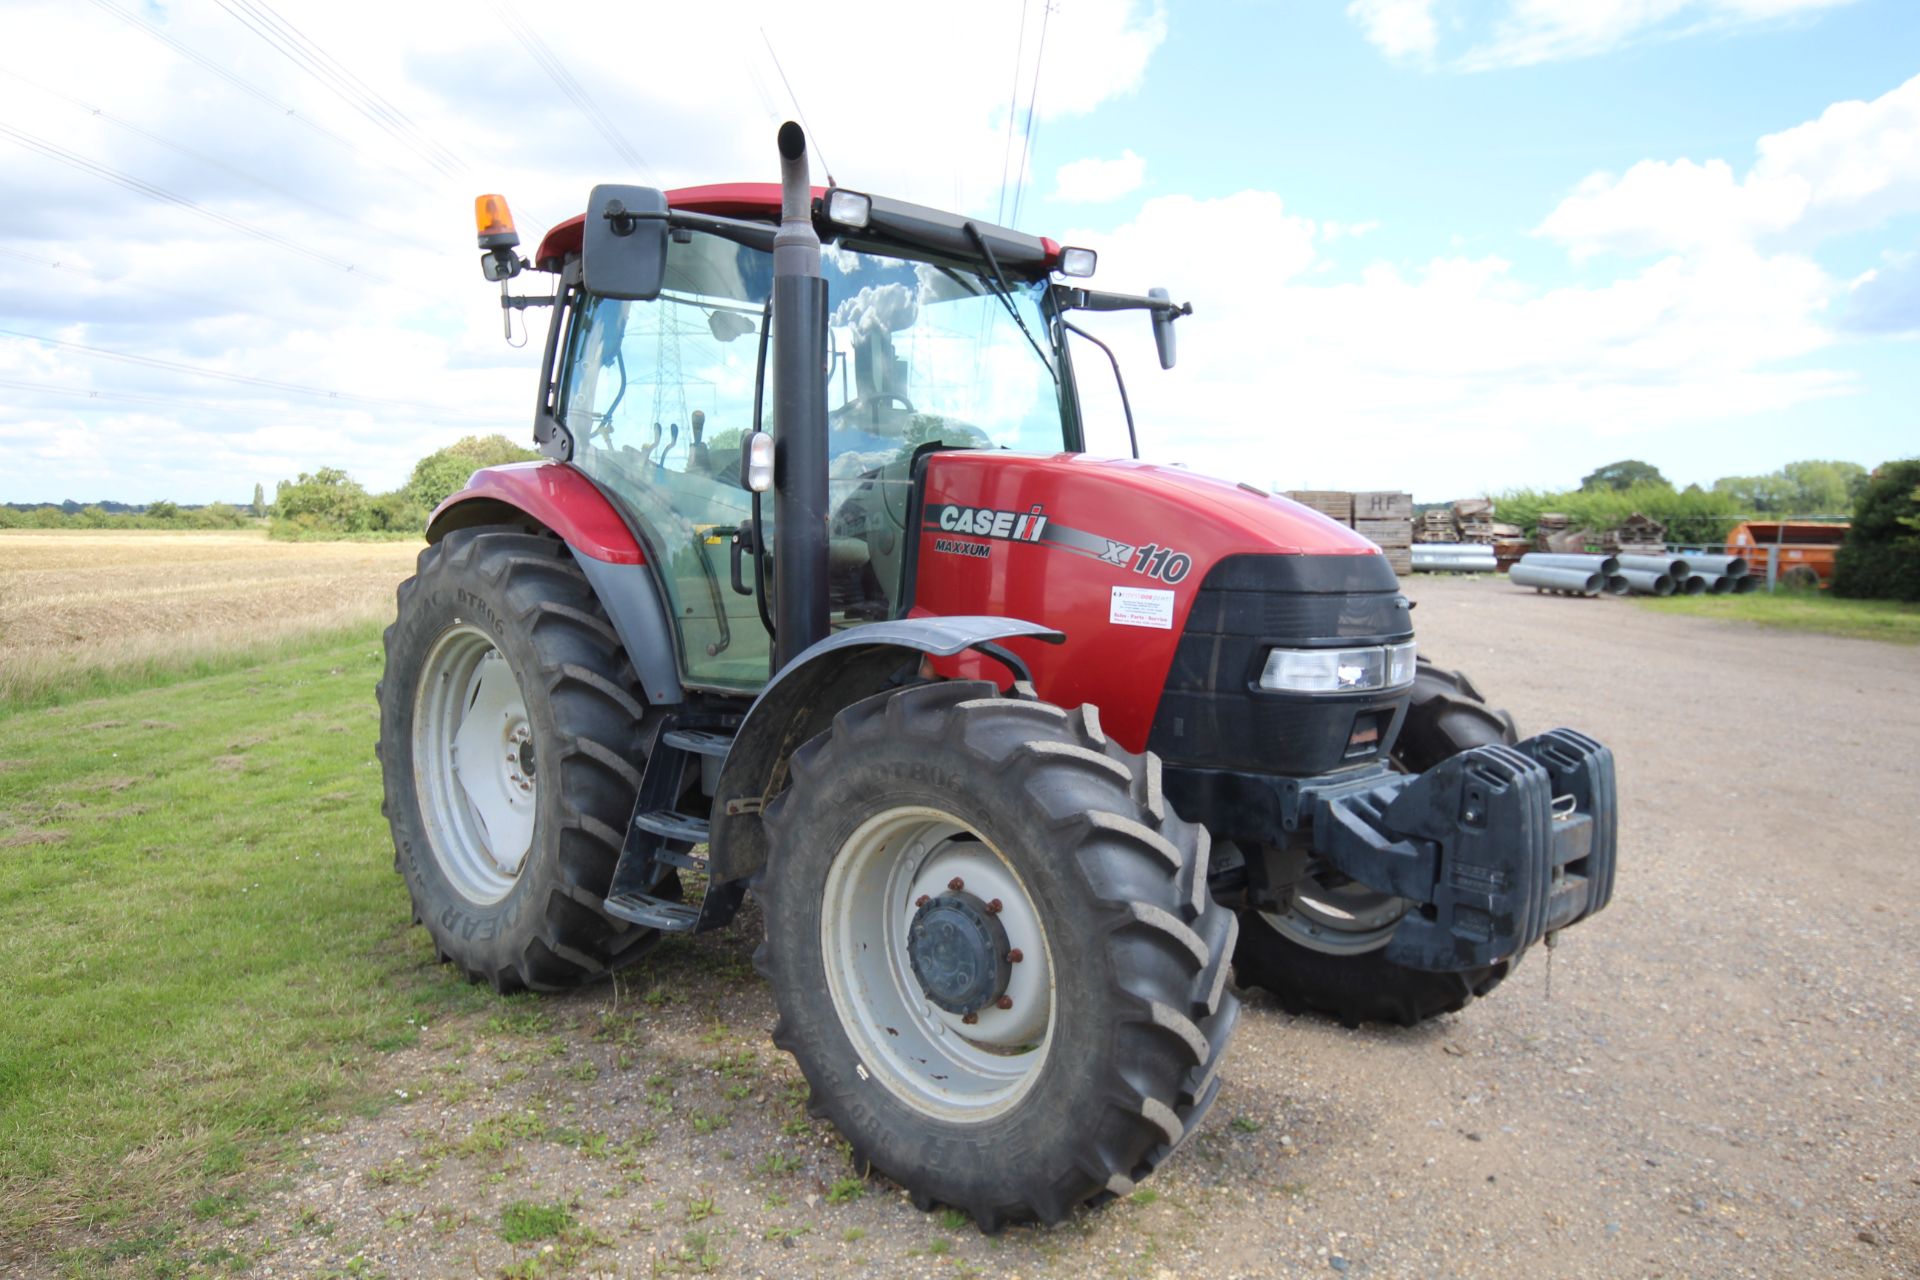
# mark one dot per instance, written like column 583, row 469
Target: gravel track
column 1716, row 1077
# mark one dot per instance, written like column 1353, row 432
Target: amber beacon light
column 495, row 222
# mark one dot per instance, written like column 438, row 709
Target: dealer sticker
column 1141, row 607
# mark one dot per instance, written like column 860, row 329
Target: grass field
column 1804, row 611
column 203, row 936
column 203, row 941
column 85, row 612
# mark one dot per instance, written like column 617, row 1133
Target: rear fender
column 802, row 701
column 559, row 499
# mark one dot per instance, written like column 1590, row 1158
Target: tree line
column 320, row 504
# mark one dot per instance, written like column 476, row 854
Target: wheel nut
column 1004, row 1002
column 994, row 906
column 969, row 1018
column 956, row 884
column 1014, row 956
column 922, row 900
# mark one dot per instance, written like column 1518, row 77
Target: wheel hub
column 959, row 952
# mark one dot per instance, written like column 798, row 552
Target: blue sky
column 1441, row 245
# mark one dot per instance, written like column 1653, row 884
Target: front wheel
column 1322, row 948
column 993, row 950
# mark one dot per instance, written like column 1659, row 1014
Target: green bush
column 1691, row 514
column 1880, row 560
column 444, row 473
column 323, row 499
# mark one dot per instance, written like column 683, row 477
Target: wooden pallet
column 1335, row 504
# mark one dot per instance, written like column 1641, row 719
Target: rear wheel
column 1322, row 948
column 509, row 741
column 993, row 950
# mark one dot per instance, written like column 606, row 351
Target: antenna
column 812, row 136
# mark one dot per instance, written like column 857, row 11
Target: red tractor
column 1018, row 749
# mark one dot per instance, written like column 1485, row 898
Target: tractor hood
column 1114, row 553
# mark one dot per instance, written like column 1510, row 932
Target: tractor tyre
column 1325, row 952
column 510, row 741
column 993, row 951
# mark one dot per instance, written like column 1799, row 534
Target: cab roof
column 892, row 221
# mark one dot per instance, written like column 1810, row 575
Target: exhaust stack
column 799, row 413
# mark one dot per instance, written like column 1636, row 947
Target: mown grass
column 204, row 942
column 1804, row 611
column 35, row 680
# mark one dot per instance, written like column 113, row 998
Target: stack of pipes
column 1646, row 575
column 1719, row 575
column 1453, row 557
column 1650, row 575
column 1568, row 574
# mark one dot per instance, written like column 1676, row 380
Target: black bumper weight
column 1498, row 846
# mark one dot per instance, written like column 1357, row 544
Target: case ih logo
column 985, row 522
column 1033, row 525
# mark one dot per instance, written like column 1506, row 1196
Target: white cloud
column 907, row 107
column 1855, row 166
column 1095, row 181
column 1401, row 29
column 1446, row 377
column 1536, row 31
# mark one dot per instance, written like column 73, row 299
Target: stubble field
column 106, row 605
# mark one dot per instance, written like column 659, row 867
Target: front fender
column 802, row 701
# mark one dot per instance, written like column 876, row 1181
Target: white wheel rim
column 474, row 766
column 928, row 1057
column 1344, row 921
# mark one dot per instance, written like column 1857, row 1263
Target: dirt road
column 1717, row 1077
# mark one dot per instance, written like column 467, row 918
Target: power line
column 199, row 371
column 208, row 64
column 798, row 110
column 1013, row 112
column 94, row 393
column 224, row 306
column 576, row 92
column 259, row 18
column 55, row 151
column 1033, row 99
column 304, row 198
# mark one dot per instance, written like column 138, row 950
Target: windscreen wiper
column 1004, row 291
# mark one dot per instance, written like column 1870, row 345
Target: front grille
column 1214, row 715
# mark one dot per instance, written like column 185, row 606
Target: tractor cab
column 656, row 399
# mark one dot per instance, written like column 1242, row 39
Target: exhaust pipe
column 799, row 413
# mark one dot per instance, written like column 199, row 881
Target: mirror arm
column 1119, row 381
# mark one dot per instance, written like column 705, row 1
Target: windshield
column 659, row 399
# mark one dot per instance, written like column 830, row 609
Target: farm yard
column 224, row 1050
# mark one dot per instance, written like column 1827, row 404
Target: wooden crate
column 1382, row 505
column 1336, row 504
column 1399, row 558
column 1386, row 533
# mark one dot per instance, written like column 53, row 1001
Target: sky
column 1445, row 246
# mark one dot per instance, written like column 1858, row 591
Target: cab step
column 653, row 913
column 660, row 839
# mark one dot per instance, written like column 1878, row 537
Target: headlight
column 1374, row 667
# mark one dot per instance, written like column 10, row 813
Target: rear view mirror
column 623, row 246
column 1163, row 318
